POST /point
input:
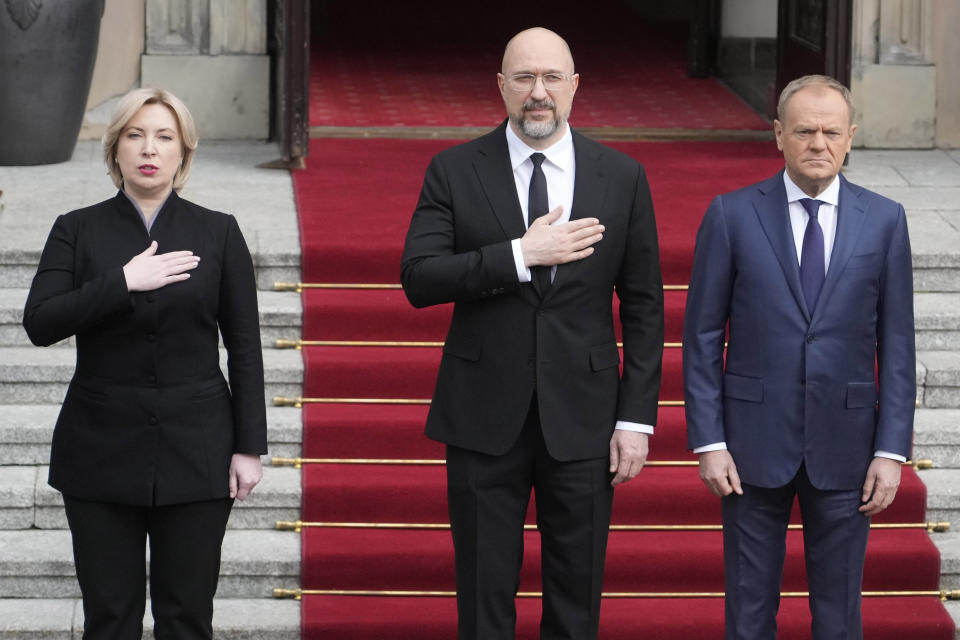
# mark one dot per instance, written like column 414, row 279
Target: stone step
column 936, row 437
column 949, row 546
column 17, row 268
column 281, row 316
column 939, row 379
column 937, row 321
column 934, row 236
column 943, row 495
column 225, row 177
column 39, row 564
column 953, row 608
column 937, row 317
column 26, row 431
column 233, row 619
column 27, row 501
column 29, row 375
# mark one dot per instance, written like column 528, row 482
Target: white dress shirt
column 559, row 169
column 827, row 216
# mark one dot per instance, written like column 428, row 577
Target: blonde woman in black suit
column 151, row 443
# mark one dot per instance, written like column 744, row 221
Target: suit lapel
column 492, row 165
column 589, row 189
column 850, row 218
column 771, row 209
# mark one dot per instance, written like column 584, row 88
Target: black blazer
column 505, row 342
column 148, row 418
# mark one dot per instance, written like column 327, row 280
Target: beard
column 538, row 130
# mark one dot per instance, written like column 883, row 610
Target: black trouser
column 488, row 497
column 108, row 550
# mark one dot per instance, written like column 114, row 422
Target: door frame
column 838, row 23
column 291, row 95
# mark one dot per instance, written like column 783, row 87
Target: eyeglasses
column 526, row 81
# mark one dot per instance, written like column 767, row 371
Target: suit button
column 150, row 298
column 153, row 420
column 151, row 337
column 811, row 338
column 152, row 379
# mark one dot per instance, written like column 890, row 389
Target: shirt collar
column 140, row 211
column 830, row 195
column 560, row 154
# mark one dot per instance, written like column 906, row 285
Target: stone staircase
column 927, row 183
column 38, row 591
column 39, row 597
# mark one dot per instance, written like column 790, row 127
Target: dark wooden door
column 813, row 36
column 291, row 79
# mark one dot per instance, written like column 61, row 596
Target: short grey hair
column 806, row 81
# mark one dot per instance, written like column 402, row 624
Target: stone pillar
column 893, row 78
column 117, row 69
column 213, row 55
column 946, row 54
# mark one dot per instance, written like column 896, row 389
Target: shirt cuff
column 892, row 456
column 523, row 272
column 716, row 446
column 623, row 425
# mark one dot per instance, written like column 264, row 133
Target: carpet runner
column 437, row 67
column 380, row 523
column 426, row 618
column 365, row 191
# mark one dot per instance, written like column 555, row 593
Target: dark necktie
column 811, row 255
column 537, row 206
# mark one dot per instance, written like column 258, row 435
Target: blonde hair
column 128, row 107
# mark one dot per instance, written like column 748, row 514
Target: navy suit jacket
column 827, row 389
column 505, row 340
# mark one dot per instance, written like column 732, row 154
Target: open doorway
column 643, row 65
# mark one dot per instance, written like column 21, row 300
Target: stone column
column 213, row 55
column 946, row 54
column 117, row 69
column 893, row 78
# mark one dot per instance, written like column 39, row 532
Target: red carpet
column 400, row 71
column 386, row 64
column 366, row 190
column 385, row 315
column 409, row 372
column 417, row 494
column 355, row 201
column 425, row 618
column 372, row 559
column 341, row 430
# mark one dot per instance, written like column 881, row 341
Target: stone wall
column 893, row 76
column 210, row 53
column 117, row 69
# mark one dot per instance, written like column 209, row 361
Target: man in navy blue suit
column 808, row 277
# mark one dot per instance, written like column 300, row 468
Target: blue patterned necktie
column 537, row 206
column 812, row 271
